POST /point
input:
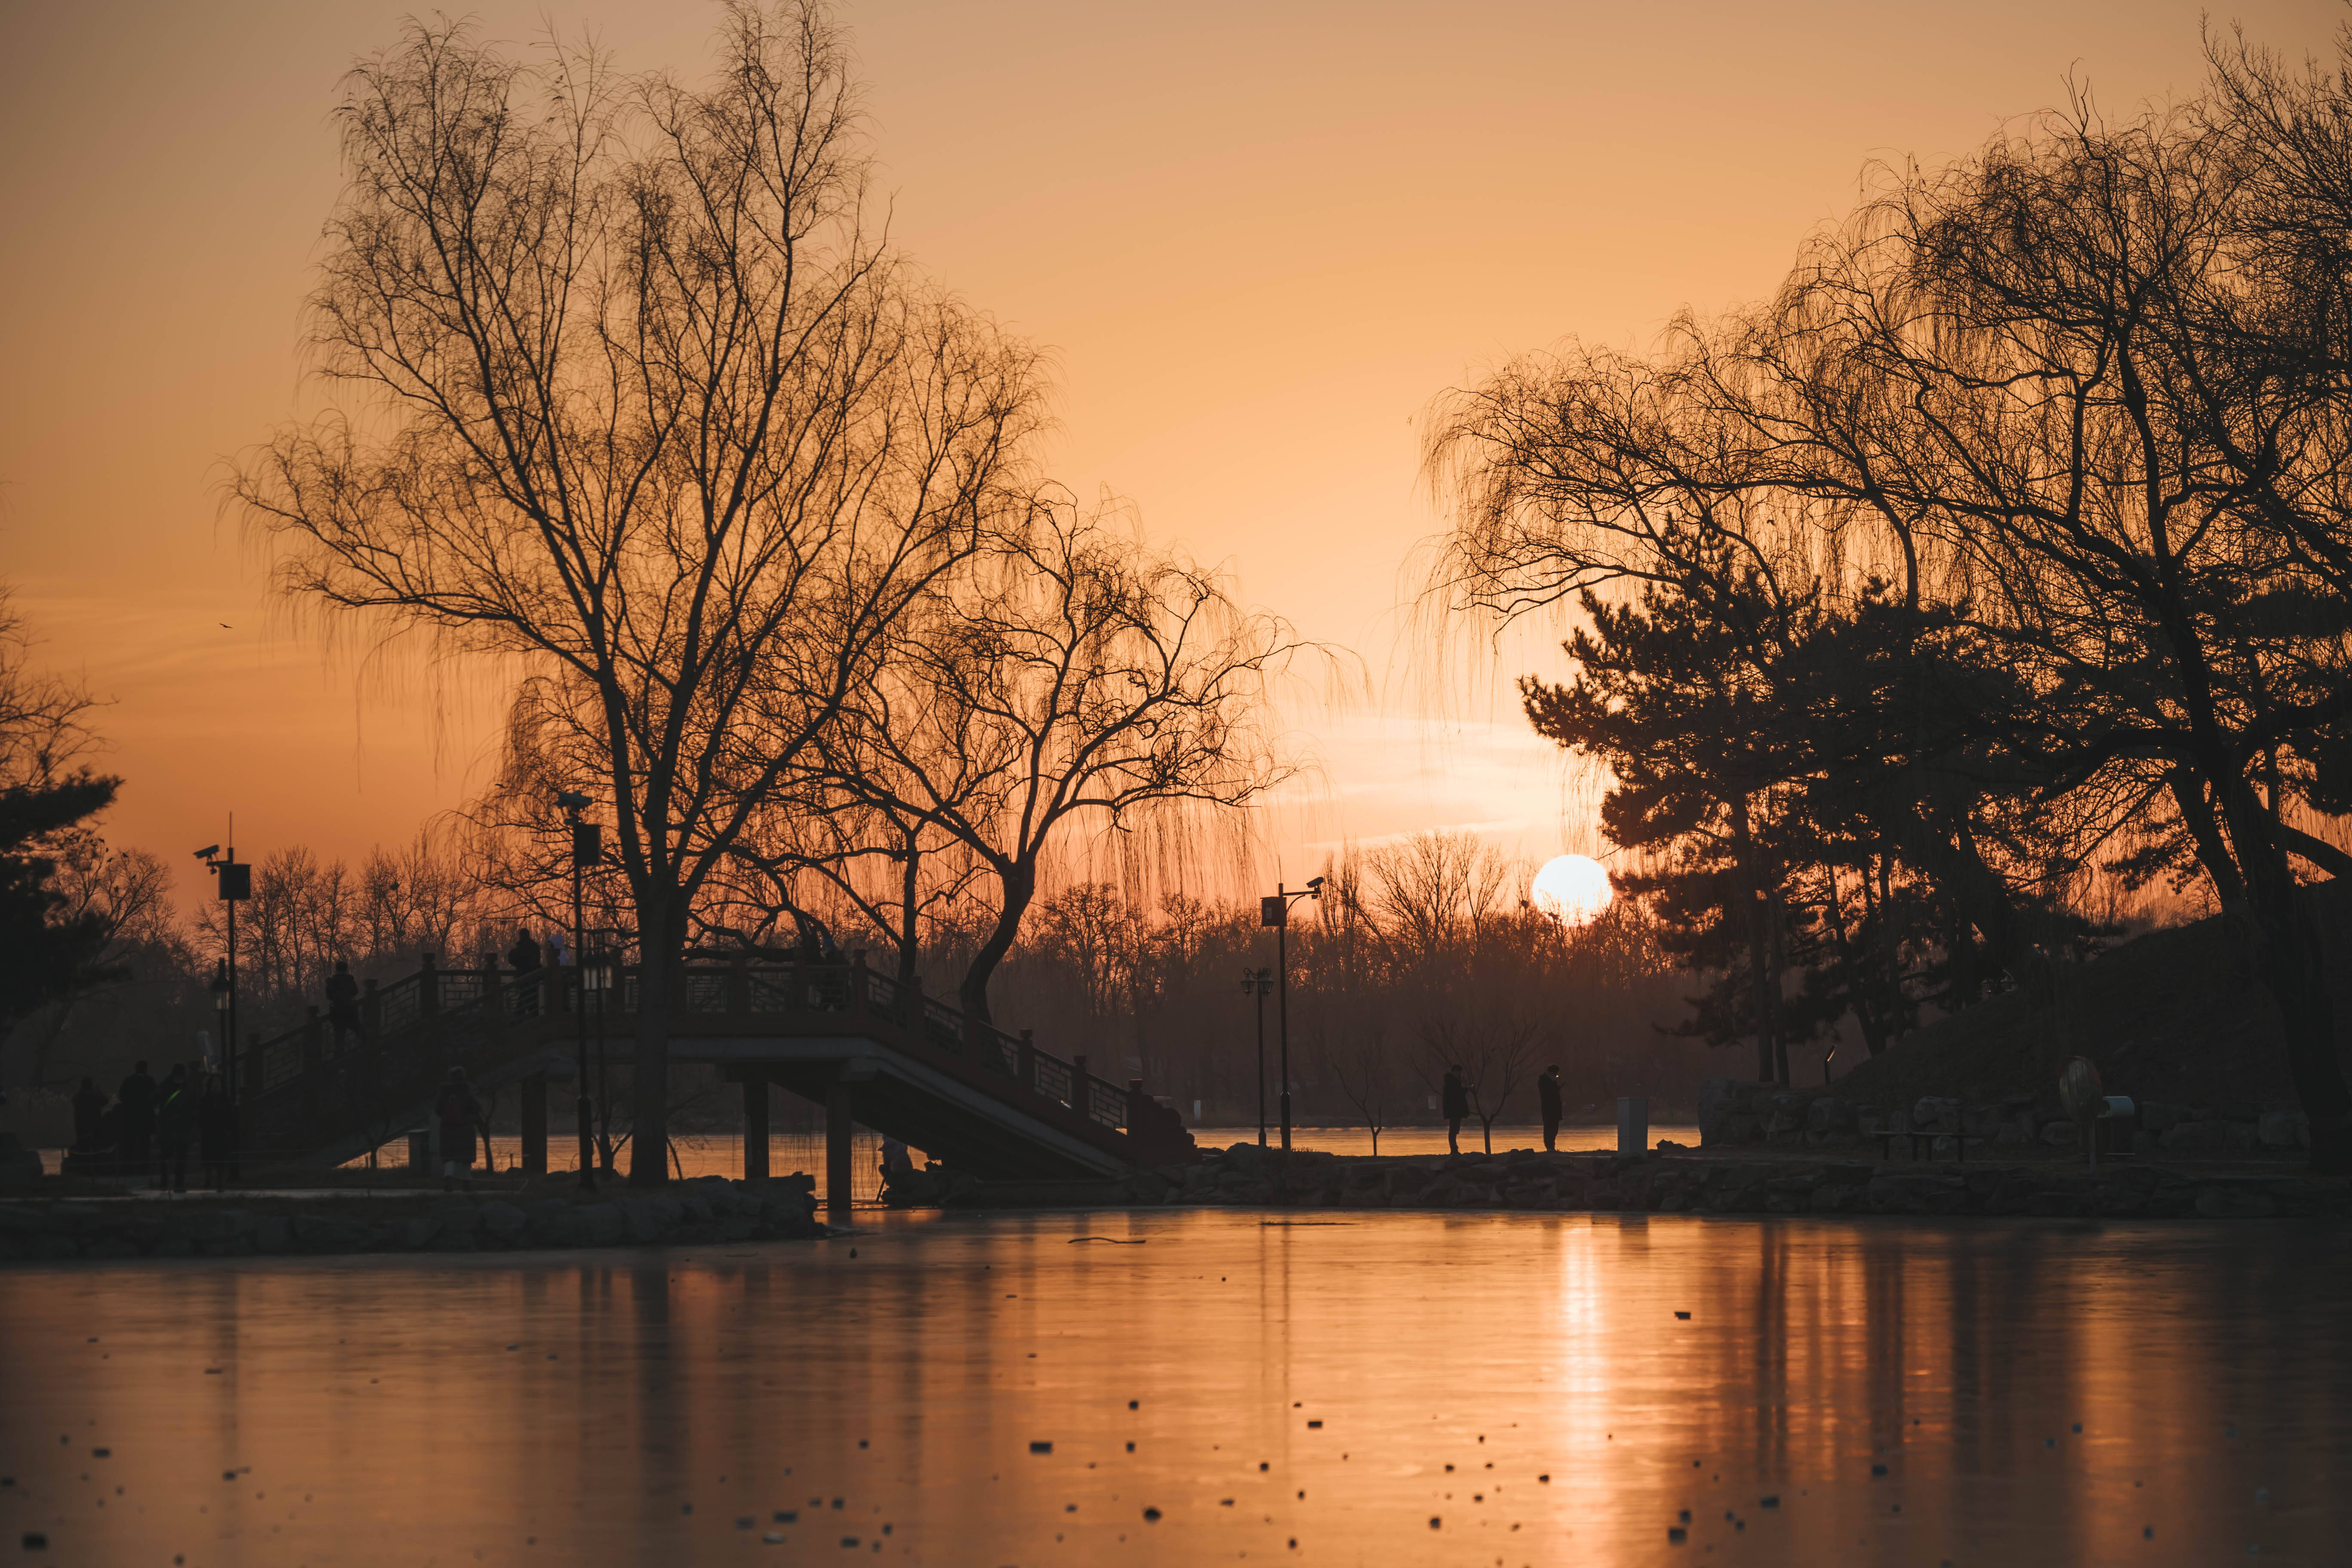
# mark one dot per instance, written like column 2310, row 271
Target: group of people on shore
column 1456, row 1095
column 159, row 1126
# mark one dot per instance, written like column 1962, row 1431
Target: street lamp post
column 220, row 1006
column 586, row 850
column 235, row 886
column 600, row 977
column 1257, row 982
column 1276, row 911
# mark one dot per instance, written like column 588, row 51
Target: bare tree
column 648, row 418
column 1437, row 888
column 1363, row 1059
column 1068, row 676
column 1494, row 1039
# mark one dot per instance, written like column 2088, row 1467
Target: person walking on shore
column 1547, row 1098
column 137, row 1102
column 175, row 1129
column 216, row 1131
column 460, row 1115
column 1457, row 1106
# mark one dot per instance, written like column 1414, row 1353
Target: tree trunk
column 1751, row 893
column 2294, row 971
column 649, row 1117
column 909, row 889
column 2197, row 813
column 1020, row 887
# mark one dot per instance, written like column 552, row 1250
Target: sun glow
column 1571, row 888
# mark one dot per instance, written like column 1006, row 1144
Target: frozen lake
column 1367, row 1388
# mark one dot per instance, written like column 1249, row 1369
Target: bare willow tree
column 1067, row 677
column 645, row 415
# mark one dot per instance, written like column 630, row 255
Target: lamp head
column 571, row 800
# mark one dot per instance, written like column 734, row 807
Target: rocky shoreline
column 1731, row 1113
column 711, row 1209
column 1688, row 1182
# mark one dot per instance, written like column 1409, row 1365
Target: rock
column 607, row 1225
column 2158, row 1118
column 315, row 1233
column 272, row 1233
column 2285, row 1129
column 2220, row 1201
column 504, row 1221
column 215, row 1224
column 1719, row 1102
column 1935, row 1113
column 1831, row 1115
column 2058, row 1134
column 2195, row 1137
column 2240, row 1137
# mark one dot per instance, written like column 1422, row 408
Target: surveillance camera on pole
column 234, row 887
column 1274, row 910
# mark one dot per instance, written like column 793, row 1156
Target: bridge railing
column 406, row 1025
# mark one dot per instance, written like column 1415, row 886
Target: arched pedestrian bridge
column 868, row 1050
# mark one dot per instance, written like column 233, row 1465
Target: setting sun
column 1571, row 888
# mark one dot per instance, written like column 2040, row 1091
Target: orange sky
column 1260, row 238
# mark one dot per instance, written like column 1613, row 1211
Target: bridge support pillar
column 534, row 1124
column 837, row 1110
column 755, row 1129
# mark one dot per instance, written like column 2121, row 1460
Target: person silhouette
column 461, row 1114
column 524, row 956
column 137, row 1099
column 342, row 1002
column 1457, row 1106
column 1547, row 1098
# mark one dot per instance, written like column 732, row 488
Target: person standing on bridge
column 343, row 1003
column 1547, row 1098
column 1456, row 1095
column 460, row 1113
column 524, row 956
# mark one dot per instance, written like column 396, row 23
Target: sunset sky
column 1259, row 239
